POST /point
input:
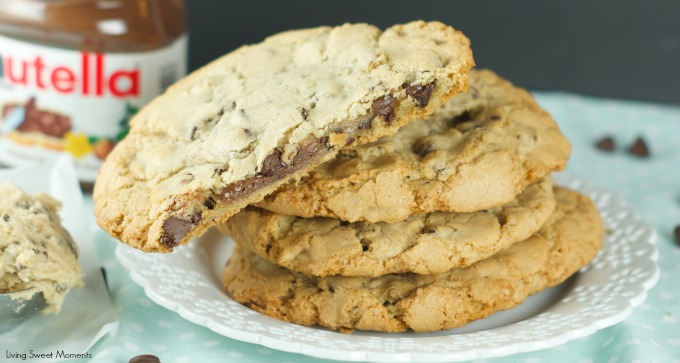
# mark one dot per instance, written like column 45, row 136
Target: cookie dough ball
column 36, row 253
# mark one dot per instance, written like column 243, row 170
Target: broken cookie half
column 233, row 131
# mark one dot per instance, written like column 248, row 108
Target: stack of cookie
column 363, row 189
column 445, row 222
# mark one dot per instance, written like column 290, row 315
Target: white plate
column 601, row 294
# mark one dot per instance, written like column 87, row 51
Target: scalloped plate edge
column 328, row 353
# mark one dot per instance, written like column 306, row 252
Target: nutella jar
column 73, row 73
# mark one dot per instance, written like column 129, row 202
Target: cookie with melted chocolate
column 235, row 130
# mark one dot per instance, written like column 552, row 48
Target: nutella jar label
column 55, row 100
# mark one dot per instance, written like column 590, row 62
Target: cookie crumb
column 639, row 148
column 605, row 144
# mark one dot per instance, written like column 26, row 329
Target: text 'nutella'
column 74, row 72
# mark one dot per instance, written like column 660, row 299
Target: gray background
column 621, row 49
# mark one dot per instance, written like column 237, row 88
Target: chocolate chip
column 676, row 232
column 496, row 117
column 349, row 141
column 247, row 132
column 308, row 151
column 459, row 119
column 175, row 229
column 428, row 230
column 639, row 148
column 272, row 164
column 5, row 217
column 187, row 178
column 304, row 112
column 209, row 203
column 420, row 93
column 234, row 190
column 144, row 358
column 423, row 147
column 605, row 144
column 344, row 223
column 384, row 106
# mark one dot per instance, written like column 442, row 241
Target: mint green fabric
column 651, row 186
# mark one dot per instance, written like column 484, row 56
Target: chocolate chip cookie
column 477, row 152
column 235, row 130
column 425, row 243
column 397, row 302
